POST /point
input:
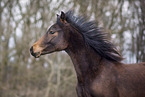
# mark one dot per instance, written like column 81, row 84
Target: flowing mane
column 93, row 36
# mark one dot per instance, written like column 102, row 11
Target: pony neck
column 85, row 60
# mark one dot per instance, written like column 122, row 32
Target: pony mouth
column 38, row 54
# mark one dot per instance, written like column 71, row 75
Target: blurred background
column 22, row 22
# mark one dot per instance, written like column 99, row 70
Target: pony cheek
column 47, row 50
column 62, row 45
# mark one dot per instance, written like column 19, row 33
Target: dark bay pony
column 98, row 66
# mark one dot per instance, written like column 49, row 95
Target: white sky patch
column 19, row 32
column 12, row 59
column 45, row 65
column 38, row 15
column 129, row 57
column 55, row 3
column 2, row 38
column 127, row 37
column 125, row 6
column 92, row 16
column 2, row 4
column 17, row 12
column 32, row 19
column 39, row 24
column 119, row 26
column 107, row 13
column 113, row 36
column 23, row 4
column 11, row 42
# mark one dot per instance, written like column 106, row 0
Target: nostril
column 31, row 50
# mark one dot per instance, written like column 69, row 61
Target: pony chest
column 97, row 88
column 103, row 87
column 91, row 90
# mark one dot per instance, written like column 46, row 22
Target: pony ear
column 57, row 15
column 62, row 16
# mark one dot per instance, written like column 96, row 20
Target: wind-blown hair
column 93, row 36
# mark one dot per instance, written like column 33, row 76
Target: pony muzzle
column 35, row 54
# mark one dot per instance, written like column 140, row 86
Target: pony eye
column 51, row 32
